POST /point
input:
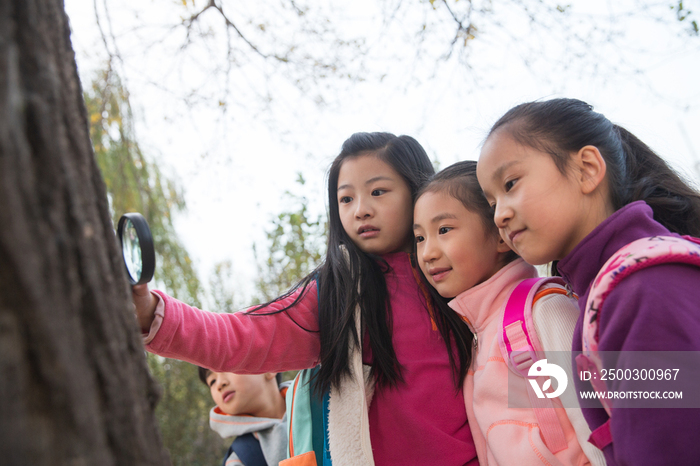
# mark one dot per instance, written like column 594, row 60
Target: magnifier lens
column 131, row 249
column 137, row 248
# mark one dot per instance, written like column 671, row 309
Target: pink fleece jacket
column 420, row 421
column 503, row 435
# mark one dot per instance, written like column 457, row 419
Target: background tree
column 295, row 245
column 74, row 388
column 242, row 58
column 136, row 184
column 221, row 289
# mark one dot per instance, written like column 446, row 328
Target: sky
column 236, row 160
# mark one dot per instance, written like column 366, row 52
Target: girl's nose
column 502, row 214
column 429, row 252
column 363, row 209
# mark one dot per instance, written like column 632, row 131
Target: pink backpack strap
column 637, row 255
column 523, row 349
column 601, row 437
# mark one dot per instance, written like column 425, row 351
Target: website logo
column 543, row 369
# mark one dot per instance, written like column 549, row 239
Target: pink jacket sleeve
column 238, row 342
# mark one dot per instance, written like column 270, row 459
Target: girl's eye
column 212, row 382
column 345, row 199
column 378, row 192
column 419, row 239
column 443, row 230
column 509, row 184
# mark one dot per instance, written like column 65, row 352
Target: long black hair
column 349, row 277
column 635, row 172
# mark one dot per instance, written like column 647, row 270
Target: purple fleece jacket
column 654, row 309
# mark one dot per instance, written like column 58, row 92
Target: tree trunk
column 74, row 385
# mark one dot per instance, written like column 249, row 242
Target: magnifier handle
column 145, row 304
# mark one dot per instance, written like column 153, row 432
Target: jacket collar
column 477, row 303
column 630, row 223
column 400, row 263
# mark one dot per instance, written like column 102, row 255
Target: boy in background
column 252, row 409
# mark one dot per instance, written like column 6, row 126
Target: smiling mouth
column 439, row 274
column 515, row 234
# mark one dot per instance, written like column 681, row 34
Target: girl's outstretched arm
column 238, row 342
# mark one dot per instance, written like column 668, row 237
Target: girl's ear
column 502, row 246
column 591, row 168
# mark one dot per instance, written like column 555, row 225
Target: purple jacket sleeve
column 655, row 309
column 239, row 342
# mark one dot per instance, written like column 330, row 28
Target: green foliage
column 135, row 184
column 296, row 245
column 183, row 414
column 220, row 296
column 685, row 15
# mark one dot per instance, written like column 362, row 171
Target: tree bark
column 74, row 385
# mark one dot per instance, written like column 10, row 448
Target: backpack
column 308, row 423
column 637, row 255
column 521, row 349
column 248, row 450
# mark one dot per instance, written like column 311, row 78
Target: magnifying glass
column 137, row 248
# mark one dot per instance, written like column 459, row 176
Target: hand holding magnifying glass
column 140, row 262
